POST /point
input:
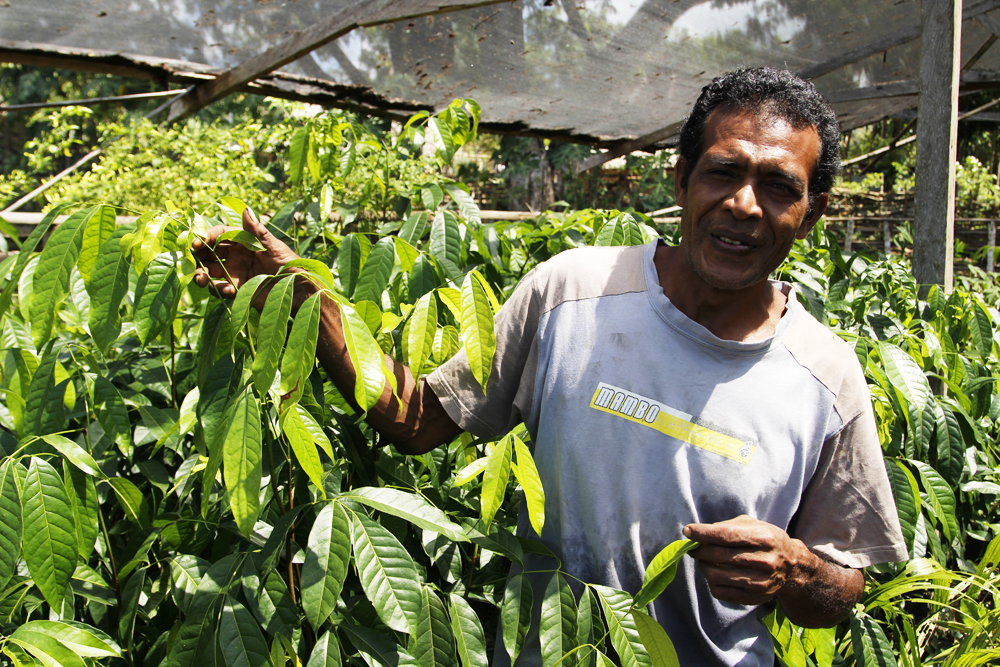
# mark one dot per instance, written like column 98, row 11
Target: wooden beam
column 891, row 89
column 302, row 42
column 973, row 10
column 627, row 147
column 937, row 139
column 989, row 23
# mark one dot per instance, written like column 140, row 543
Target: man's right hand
column 226, row 266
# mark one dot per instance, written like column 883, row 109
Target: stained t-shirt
column 643, row 421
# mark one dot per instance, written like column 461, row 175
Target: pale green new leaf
column 300, row 438
column 495, row 479
column 443, row 141
column 409, row 506
column 271, row 333
column 661, row 571
column 244, row 238
column 621, row 624
column 469, row 637
column 531, row 484
column 387, row 573
column 433, row 644
column 298, row 147
column 477, row 328
column 49, row 651
column 557, row 627
column 319, row 438
column 300, row 353
column 326, row 652
column 100, row 227
column 50, row 283
column 49, row 542
column 655, row 640
column 366, row 357
column 374, row 276
column 10, row 527
column 420, row 333
column 240, row 638
column 241, row 461
column 156, row 295
column 515, row 614
column 470, row 472
column 85, row 641
column 328, row 552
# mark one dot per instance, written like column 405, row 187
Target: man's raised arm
column 416, row 423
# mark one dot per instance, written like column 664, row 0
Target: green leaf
column 129, row 497
column 100, row 227
column 241, row 461
column 298, row 147
column 443, row 140
column 271, row 604
column 906, row 376
column 495, row 479
column 432, row 645
column 10, row 527
column 107, row 287
column 351, row 256
column 374, row 277
column 980, row 330
column 240, row 313
column 410, row 507
column 300, row 353
column 387, row 573
column 156, row 295
column 74, row 453
column 586, row 614
column 477, row 328
column 515, row 614
column 49, row 651
column 655, row 640
column 557, row 627
column 366, row 357
column 420, row 333
column 114, row 417
column 446, row 240
column 416, row 225
column 661, row 571
column 300, row 438
column 907, row 498
column 468, row 632
column 50, row 547
column 431, row 196
column 467, row 206
column 318, row 272
column 82, row 494
column 422, row 279
column 37, row 419
column 871, row 648
column 940, row 496
column 531, row 484
column 375, row 648
column 326, row 652
column 240, row 638
column 328, row 552
column 50, row 284
column 271, row 333
column 948, row 444
column 186, row 572
column 621, row 230
column 85, row 641
column 26, row 254
column 621, row 624
column 244, row 238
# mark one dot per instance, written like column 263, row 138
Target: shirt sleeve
column 510, row 387
column 848, row 512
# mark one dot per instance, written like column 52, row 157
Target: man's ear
column 817, row 212
column 680, row 192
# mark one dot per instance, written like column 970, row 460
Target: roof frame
column 302, row 42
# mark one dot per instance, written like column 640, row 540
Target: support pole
column 849, row 235
column 937, row 130
column 991, row 244
column 887, row 237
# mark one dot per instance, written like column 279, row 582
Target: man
column 674, row 390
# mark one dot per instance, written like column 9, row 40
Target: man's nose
column 743, row 202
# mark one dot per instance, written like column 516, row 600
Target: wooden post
column 937, row 130
column 887, row 237
column 991, row 243
column 849, row 235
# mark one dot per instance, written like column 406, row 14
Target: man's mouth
column 731, row 241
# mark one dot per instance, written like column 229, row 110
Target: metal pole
column 937, row 133
column 89, row 101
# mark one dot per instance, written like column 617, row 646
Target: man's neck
column 745, row 315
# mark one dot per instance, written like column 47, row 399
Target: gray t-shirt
column 642, row 421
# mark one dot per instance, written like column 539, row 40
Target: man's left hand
column 747, row 561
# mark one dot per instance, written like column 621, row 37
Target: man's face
column 746, row 198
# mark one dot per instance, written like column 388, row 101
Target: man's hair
column 767, row 93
